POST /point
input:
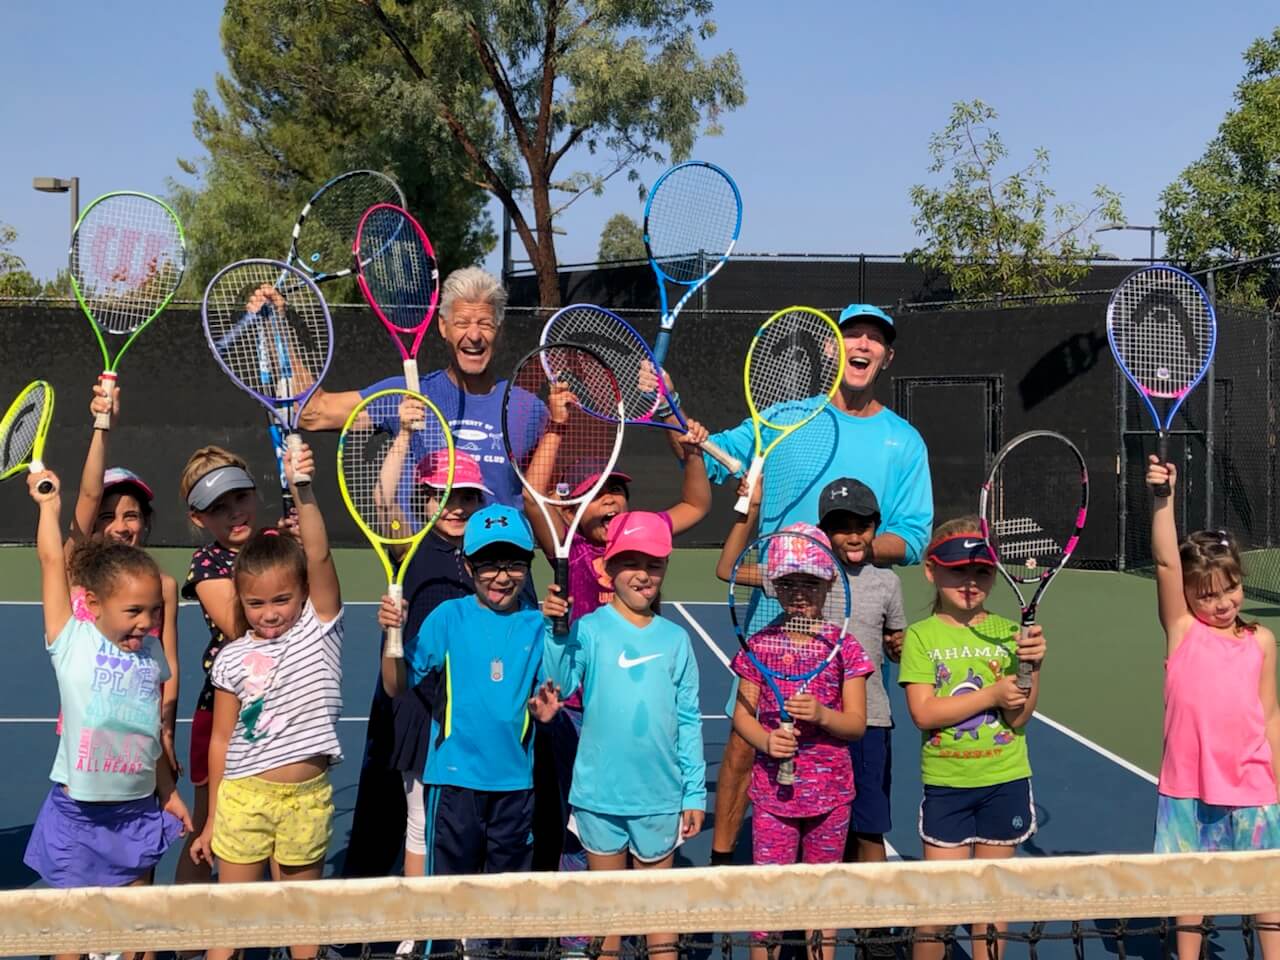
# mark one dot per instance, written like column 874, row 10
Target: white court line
column 706, row 638
column 1097, row 748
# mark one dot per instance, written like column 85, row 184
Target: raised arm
column 542, row 465
column 695, row 491
column 1170, row 598
column 55, row 592
column 89, row 499
column 326, row 595
column 736, row 541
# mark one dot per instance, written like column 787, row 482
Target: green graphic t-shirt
column 982, row 750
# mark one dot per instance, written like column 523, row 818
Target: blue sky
column 842, row 97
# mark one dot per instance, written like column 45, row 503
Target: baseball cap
column 496, row 523
column 587, row 484
column 639, row 530
column 119, row 476
column 850, row 495
column 869, row 314
column 215, row 483
column 959, row 549
column 788, row 555
column 433, row 470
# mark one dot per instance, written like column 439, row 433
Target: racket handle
column 102, row 421
column 44, row 486
column 411, row 381
column 787, row 768
column 1025, row 667
column 560, row 625
column 729, row 462
column 294, row 443
column 1162, row 451
column 661, row 345
column 393, row 646
column 743, row 506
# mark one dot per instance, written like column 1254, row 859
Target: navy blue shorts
column 1000, row 815
column 872, row 778
column 478, row 831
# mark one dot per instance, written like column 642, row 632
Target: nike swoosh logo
column 972, row 544
column 630, row 530
column 210, row 481
column 626, row 664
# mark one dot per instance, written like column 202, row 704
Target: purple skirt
column 76, row 844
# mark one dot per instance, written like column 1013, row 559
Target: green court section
column 1102, row 678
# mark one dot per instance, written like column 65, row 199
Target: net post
column 1210, row 439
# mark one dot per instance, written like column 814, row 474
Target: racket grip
column 1025, row 667
column 411, row 380
column 787, row 768
column 560, row 625
column 1162, row 451
column 44, row 486
column 393, row 646
column 729, row 462
column 743, row 506
column 294, row 443
column 661, row 345
column 102, row 421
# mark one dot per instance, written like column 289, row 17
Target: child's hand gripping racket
column 23, row 430
column 394, row 441
column 128, row 255
column 1032, row 510
column 790, row 605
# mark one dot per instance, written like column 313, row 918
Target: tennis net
column 1070, row 907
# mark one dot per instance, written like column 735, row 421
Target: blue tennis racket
column 790, row 604
column 691, row 222
column 1162, row 331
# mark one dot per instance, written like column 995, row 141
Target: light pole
column 59, row 185
column 1133, row 226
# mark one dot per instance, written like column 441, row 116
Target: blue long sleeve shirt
column 883, row 451
column 641, row 748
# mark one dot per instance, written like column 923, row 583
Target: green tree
column 309, row 93
column 15, row 279
column 623, row 79
column 621, row 239
column 1225, row 206
column 994, row 231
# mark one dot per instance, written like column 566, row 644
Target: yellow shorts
column 258, row 819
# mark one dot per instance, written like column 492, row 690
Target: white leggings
column 415, row 834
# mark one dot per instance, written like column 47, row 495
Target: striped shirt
column 290, row 695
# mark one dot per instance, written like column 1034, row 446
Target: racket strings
column 127, row 258
column 399, row 268
column 692, row 221
column 389, row 474
column 326, row 229
column 1033, row 506
column 270, row 331
column 22, row 425
column 621, row 348
column 794, row 362
column 561, row 459
column 1163, row 330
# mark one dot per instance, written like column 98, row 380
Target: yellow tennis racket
column 23, row 431
column 395, row 471
column 793, row 369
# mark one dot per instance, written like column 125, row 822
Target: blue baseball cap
column 869, row 314
column 496, row 523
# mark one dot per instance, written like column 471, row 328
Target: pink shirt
column 1215, row 742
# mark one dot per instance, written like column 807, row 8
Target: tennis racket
column 273, row 339
column 322, row 234
column 691, row 222
column 378, row 473
column 793, row 369
column 128, row 254
column 644, row 394
column 561, row 449
column 790, row 604
column 1032, row 510
column 23, row 431
column 396, row 271
column 1162, row 331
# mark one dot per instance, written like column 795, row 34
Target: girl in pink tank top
column 1218, row 779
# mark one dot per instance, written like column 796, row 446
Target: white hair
column 474, row 285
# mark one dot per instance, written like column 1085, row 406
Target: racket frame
column 296, row 259
column 393, row 646
column 560, row 562
column 1162, row 425
column 409, row 355
column 743, row 504
column 109, row 375
column 1041, row 578
column 34, row 458
column 786, row 768
column 668, row 321
column 649, row 417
